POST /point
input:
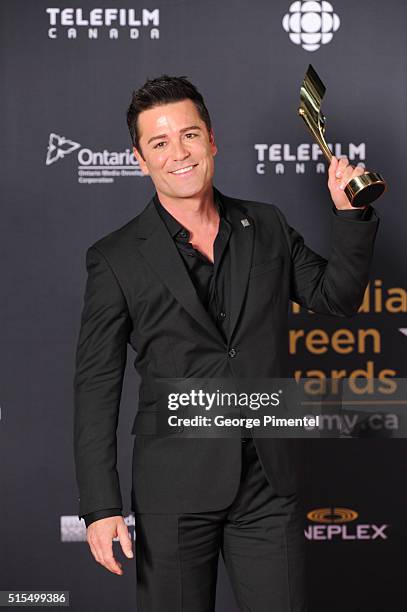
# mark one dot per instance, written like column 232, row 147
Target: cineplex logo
column 110, row 22
column 340, row 524
column 93, row 166
column 276, row 158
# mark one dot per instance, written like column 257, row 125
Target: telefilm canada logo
column 93, row 167
column 311, row 24
column 277, row 158
column 111, row 23
column 339, row 523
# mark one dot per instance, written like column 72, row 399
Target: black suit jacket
column 138, row 291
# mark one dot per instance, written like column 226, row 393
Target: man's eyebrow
column 160, row 136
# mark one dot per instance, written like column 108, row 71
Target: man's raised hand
column 339, row 174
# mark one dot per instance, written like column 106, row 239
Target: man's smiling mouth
column 183, row 170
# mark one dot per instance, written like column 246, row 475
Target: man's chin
column 189, row 191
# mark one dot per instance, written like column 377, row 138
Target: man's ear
column 141, row 161
column 212, row 142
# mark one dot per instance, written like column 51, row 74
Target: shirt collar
column 171, row 222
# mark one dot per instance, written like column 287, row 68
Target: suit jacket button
column 232, row 353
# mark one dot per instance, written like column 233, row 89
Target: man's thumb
column 125, row 539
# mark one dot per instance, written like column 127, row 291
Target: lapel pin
column 245, row 222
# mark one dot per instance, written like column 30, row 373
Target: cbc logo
column 311, row 24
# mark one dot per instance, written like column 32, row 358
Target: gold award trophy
column 361, row 190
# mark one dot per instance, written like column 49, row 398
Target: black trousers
column 260, row 536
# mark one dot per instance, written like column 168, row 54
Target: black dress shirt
column 211, row 280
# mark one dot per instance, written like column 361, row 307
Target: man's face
column 177, row 148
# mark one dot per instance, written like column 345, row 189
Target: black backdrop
column 68, row 178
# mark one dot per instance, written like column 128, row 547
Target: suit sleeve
column 355, row 213
column 91, row 517
column 335, row 285
column 99, row 369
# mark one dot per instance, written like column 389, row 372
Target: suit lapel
column 160, row 252
column 241, row 251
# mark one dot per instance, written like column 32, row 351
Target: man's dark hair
column 163, row 90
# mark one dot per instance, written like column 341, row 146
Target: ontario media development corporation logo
column 110, row 22
column 93, row 166
column 311, row 24
column 277, row 157
column 341, row 524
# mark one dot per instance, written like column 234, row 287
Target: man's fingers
column 94, row 552
column 358, row 171
column 333, row 168
column 336, row 169
column 342, row 165
column 110, row 563
column 104, row 549
column 103, row 553
column 350, row 173
column 125, row 539
column 100, row 539
column 345, row 177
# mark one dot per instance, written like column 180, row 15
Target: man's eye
column 158, row 145
column 191, row 134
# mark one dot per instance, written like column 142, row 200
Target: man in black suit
column 199, row 285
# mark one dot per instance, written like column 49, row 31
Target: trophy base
column 364, row 189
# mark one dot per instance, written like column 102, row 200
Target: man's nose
column 180, row 152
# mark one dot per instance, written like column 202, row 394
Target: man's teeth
column 182, row 170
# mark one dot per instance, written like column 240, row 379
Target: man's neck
column 193, row 213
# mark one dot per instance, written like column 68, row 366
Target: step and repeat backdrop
column 69, row 177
